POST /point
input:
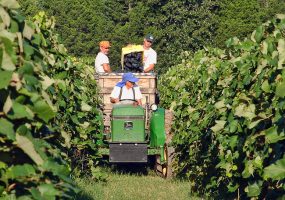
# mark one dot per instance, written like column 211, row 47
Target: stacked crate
column 107, row 81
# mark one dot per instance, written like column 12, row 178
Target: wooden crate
column 107, row 81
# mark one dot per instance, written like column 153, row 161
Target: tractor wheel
column 165, row 170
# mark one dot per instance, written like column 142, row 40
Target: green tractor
column 135, row 134
column 128, row 141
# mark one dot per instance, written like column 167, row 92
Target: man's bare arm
column 107, row 68
column 150, row 67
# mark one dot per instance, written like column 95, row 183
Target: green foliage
column 81, row 24
column 239, row 18
column 49, row 121
column 229, row 115
column 177, row 25
column 180, row 26
column 73, row 90
column 275, row 171
column 31, row 7
column 30, row 166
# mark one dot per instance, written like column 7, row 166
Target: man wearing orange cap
column 102, row 61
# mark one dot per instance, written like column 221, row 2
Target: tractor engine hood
column 128, row 124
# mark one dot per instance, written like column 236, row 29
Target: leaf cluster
column 229, row 115
column 48, row 110
column 30, row 166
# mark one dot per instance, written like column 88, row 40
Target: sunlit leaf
column 61, row 84
column 264, row 47
column 20, row 42
column 5, row 34
column 254, row 190
column 20, row 111
column 272, row 135
column 28, row 147
column 57, row 169
column 43, row 110
column 28, row 31
column 281, row 51
column 12, row 4
column 5, row 17
column 259, row 34
column 51, row 59
column 275, row 171
column 3, row 165
column 220, row 104
column 248, row 170
column 233, row 141
column 233, row 126
column 265, row 86
column 245, row 111
column 7, row 128
column 67, row 138
column 21, row 171
column 254, row 123
column 47, row 81
column 280, row 16
column 7, row 62
column 85, row 107
column 258, row 162
column 48, row 191
column 5, row 78
column 220, row 124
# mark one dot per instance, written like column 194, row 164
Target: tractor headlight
column 153, row 107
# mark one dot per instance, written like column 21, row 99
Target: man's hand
column 114, row 100
column 138, row 102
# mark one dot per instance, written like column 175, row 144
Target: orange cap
column 104, row 44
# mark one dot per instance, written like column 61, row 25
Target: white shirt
column 101, row 59
column 126, row 93
column 150, row 57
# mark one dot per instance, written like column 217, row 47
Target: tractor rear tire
column 165, row 169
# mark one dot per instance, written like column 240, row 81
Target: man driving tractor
column 127, row 90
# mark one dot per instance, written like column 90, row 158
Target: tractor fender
column 157, row 128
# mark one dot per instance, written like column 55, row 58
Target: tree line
column 178, row 25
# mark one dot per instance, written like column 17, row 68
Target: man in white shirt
column 127, row 89
column 150, row 56
column 102, row 61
